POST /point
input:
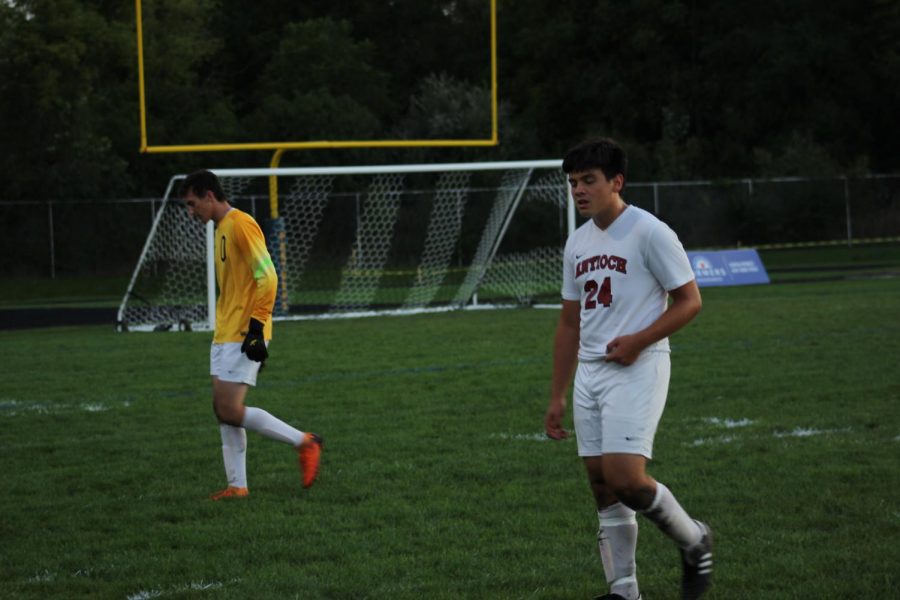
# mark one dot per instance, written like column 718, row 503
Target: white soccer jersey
column 621, row 276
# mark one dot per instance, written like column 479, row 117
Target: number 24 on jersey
column 598, row 293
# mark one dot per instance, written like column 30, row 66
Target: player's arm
column 263, row 270
column 253, row 246
column 565, row 356
column 684, row 307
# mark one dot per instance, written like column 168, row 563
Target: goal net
column 362, row 240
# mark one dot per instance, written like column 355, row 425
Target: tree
column 319, row 84
column 54, row 141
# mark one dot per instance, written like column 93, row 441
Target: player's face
column 200, row 207
column 593, row 192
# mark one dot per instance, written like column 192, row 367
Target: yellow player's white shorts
column 228, row 363
column 617, row 408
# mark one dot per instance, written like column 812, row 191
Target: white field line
column 47, row 576
column 733, row 424
column 542, row 437
column 396, row 312
column 10, row 407
column 728, row 423
column 198, row 586
column 529, row 437
column 807, row 432
column 724, row 439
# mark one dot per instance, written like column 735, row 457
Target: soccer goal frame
column 399, row 239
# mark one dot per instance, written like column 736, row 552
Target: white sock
column 258, row 420
column 671, row 519
column 234, row 454
column 617, row 541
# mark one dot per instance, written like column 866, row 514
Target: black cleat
column 697, row 566
column 613, row 597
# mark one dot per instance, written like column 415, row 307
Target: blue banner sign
column 727, row 267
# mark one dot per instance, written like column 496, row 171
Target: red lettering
column 583, row 267
column 602, row 261
column 598, row 294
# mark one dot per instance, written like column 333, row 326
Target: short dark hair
column 200, row 182
column 604, row 154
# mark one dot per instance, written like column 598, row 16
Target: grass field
column 782, row 431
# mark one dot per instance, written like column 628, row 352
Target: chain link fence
column 50, row 239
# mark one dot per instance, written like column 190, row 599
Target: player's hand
column 623, row 350
column 254, row 345
column 553, row 421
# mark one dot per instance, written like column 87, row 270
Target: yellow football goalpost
column 282, row 146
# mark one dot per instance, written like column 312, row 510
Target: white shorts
column 228, row 363
column 617, row 408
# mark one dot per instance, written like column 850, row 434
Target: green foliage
column 781, row 430
column 444, row 107
column 694, row 89
column 54, row 60
column 319, row 84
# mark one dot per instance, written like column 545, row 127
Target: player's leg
column 617, row 533
column 616, row 536
column 230, row 386
column 229, row 394
column 234, row 454
column 635, row 407
column 227, row 400
column 626, row 478
column 234, row 437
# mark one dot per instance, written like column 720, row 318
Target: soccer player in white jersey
column 619, row 270
column 247, row 286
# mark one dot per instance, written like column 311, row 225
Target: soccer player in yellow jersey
column 247, row 287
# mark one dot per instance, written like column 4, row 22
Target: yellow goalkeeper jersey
column 246, row 277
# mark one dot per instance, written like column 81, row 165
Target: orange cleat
column 308, row 454
column 230, row 492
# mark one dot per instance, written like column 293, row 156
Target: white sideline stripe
column 729, row 423
column 807, row 432
column 10, row 407
column 725, row 439
column 796, row 432
column 200, row 586
column 397, row 312
column 367, row 313
column 530, row 437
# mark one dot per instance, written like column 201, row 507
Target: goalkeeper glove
column 254, row 345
